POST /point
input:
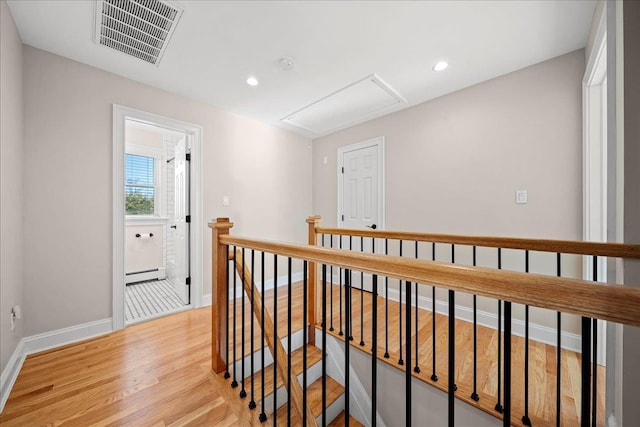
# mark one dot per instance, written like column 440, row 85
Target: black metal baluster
column 341, row 332
column 361, row 298
column 506, row 416
column 263, row 414
column 499, row 406
column 525, row 418
column 594, row 375
column 374, row 352
column 434, row 377
column 252, row 402
column 227, row 375
column 347, row 363
column 243, row 392
column 408, row 352
column 305, row 338
column 452, row 358
column 400, row 361
column 416, row 368
column 289, row 332
column 234, row 383
column 275, row 333
column 350, row 290
column 474, row 394
column 324, row 345
column 322, row 242
column 386, row 306
column 331, row 289
column 585, row 399
column 559, row 352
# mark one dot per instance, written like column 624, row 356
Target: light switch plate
column 225, row 201
column 521, row 196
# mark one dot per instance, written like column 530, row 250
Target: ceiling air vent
column 360, row 101
column 139, row 28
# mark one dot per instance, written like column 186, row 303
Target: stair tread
column 314, row 355
column 314, row 400
column 339, row 421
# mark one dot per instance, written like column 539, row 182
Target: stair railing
column 620, row 304
column 433, row 243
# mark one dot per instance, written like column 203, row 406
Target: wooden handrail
column 619, row 250
column 620, row 304
column 273, row 341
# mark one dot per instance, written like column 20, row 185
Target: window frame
column 159, row 178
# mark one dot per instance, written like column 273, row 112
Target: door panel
column 360, row 201
column 181, row 231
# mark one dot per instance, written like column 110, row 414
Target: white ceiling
column 218, row 44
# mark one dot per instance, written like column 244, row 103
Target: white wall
column 68, row 140
column 11, row 182
column 453, row 164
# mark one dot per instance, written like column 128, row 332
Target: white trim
column 540, row 333
column 64, row 336
column 120, row 114
column 375, row 142
column 206, row 300
column 361, row 408
column 10, row 373
column 594, row 160
column 46, row 341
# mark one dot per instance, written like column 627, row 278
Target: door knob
column 372, row 226
column 175, row 227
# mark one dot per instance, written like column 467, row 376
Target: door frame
column 120, row 115
column 594, row 158
column 377, row 142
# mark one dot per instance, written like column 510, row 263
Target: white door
column 181, row 233
column 362, row 196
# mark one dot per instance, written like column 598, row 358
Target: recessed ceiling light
column 252, row 81
column 440, row 66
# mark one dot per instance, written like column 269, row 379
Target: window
column 140, row 185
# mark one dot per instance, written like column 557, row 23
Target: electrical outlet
column 521, row 196
column 16, row 313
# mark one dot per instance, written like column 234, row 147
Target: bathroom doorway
column 157, row 252
column 156, row 188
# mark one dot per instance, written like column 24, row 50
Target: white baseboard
column 64, row 336
column 540, row 333
column 206, row 300
column 45, row 341
column 159, row 274
column 10, row 373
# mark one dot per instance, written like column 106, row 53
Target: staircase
column 335, row 390
column 264, row 385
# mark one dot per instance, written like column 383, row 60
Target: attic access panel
column 355, row 103
column 138, row 28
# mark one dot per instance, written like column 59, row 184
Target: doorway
column 157, row 248
column 361, row 197
column 156, row 188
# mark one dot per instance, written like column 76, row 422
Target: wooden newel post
column 219, row 315
column 314, row 309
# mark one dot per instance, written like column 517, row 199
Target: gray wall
column 68, row 186
column 453, row 165
column 11, row 182
column 457, row 160
column 631, row 335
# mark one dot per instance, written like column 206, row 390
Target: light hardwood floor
column 158, row 373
